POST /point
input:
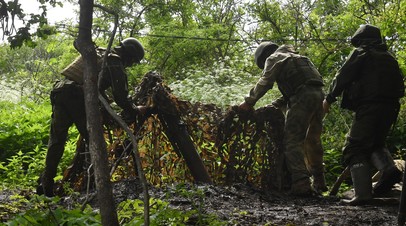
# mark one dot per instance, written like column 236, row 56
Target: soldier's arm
column 345, row 75
column 273, row 67
column 117, row 78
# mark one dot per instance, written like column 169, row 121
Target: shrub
column 224, row 84
column 24, row 133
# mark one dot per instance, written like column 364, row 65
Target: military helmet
column 365, row 35
column 133, row 48
column 263, row 51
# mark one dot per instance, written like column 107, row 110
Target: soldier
column 301, row 86
column 371, row 85
column 68, row 106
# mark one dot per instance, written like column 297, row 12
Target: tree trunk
column 97, row 145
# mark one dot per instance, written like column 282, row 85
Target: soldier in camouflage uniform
column 68, row 106
column 371, row 85
column 301, row 86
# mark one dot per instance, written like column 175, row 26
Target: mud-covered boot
column 362, row 182
column 45, row 186
column 391, row 175
column 302, row 187
column 319, row 183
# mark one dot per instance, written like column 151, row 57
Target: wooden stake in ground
column 336, row 186
column 402, row 204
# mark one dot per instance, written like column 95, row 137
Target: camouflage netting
column 234, row 147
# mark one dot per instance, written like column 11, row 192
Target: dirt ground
column 242, row 205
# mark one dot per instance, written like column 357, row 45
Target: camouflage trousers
column 369, row 129
column 303, row 127
column 68, row 108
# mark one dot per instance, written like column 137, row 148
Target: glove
column 245, row 107
column 142, row 110
column 280, row 103
column 129, row 116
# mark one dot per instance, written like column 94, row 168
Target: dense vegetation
column 204, row 50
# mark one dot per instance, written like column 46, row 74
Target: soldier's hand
column 142, row 109
column 244, row 106
column 280, row 103
column 129, row 116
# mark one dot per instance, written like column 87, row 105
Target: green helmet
column 263, row 51
column 133, row 48
column 366, row 35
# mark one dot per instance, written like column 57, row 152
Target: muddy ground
column 242, row 205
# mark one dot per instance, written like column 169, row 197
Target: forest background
column 203, row 49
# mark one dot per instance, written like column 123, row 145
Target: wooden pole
column 402, row 203
column 334, row 189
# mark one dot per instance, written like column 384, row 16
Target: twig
column 340, row 179
column 133, row 138
column 113, row 168
column 88, row 196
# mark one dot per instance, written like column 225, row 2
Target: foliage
column 31, row 72
column 22, row 169
column 224, row 83
column 24, row 127
column 130, row 213
column 11, row 12
column 203, row 48
column 396, row 141
column 23, row 139
column 194, row 33
column 40, row 210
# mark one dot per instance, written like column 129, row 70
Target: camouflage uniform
column 301, row 86
column 68, row 108
column 371, row 85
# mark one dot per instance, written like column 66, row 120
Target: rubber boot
column 391, row 175
column 362, row 182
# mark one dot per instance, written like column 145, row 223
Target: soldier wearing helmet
column 371, row 84
column 128, row 53
column 68, row 105
column 302, row 95
column 132, row 51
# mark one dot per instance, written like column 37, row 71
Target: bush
column 24, row 133
column 23, row 127
column 221, row 84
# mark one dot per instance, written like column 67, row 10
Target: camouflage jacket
column 370, row 74
column 289, row 70
column 115, row 77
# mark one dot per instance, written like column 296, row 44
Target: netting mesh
column 234, row 146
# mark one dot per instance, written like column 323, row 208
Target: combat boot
column 302, row 187
column 319, row 183
column 45, row 186
column 362, row 182
column 391, row 175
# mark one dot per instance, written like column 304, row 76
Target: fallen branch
column 334, row 189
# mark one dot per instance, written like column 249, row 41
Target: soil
column 242, row 205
